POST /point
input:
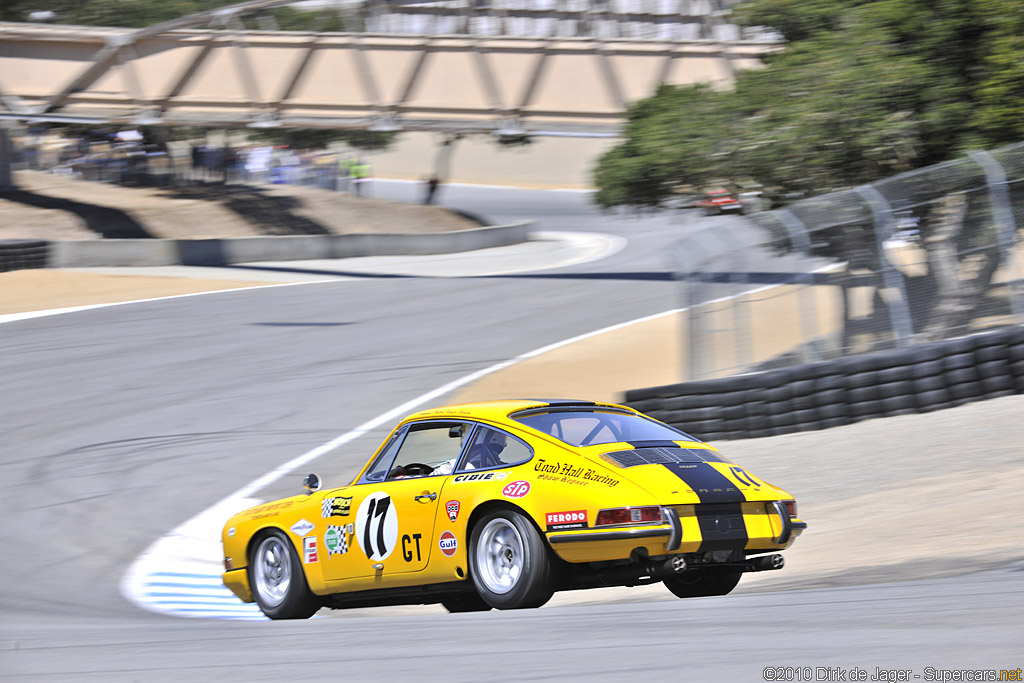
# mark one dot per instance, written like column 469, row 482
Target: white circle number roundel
column 377, row 525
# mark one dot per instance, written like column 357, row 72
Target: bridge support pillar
column 6, row 158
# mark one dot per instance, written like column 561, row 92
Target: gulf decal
column 448, row 543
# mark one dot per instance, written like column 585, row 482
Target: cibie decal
column 448, row 543
column 482, row 476
column 452, row 508
column 516, row 489
column 309, row 553
column 301, row 527
column 377, row 526
column 560, row 521
column 338, row 506
column 336, row 539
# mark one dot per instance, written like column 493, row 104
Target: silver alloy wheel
column 499, row 556
column 273, row 571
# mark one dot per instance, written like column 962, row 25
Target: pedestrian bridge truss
column 232, row 76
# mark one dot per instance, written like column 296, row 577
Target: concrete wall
column 216, row 252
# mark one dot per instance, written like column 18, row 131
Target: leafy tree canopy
column 864, row 89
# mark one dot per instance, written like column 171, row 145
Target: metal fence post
column 1006, row 227
column 801, row 241
column 899, row 312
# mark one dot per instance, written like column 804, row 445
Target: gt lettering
column 406, row 549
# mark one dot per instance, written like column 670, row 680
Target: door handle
column 426, row 496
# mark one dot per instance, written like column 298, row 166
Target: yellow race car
column 500, row 504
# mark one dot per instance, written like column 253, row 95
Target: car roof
column 498, row 411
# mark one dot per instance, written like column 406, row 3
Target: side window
column 429, row 448
column 379, row 469
column 491, row 448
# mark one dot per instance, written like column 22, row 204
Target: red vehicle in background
column 719, row 201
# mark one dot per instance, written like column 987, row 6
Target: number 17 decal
column 377, row 526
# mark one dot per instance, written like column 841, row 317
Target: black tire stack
column 19, row 254
column 821, row 395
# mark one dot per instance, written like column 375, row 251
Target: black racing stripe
column 721, row 526
column 710, row 485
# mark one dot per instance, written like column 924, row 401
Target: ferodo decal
column 301, row 527
column 448, row 543
column 556, row 471
column 309, row 553
column 337, row 506
column 377, row 526
column 516, row 489
column 560, row 521
column 336, row 539
column 483, row 476
column 452, row 508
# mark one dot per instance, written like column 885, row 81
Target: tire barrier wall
column 918, row 379
column 21, row 254
column 219, row 252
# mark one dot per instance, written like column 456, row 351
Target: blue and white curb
column 180, row 574
column 195, row 595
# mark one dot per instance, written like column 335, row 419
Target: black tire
column 702, row 585
column 506, row 540
column 470, row 602
column 277, row 580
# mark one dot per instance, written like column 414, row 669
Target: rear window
column 595, row 427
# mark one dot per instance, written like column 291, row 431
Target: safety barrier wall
column 217, row 252
column 815, row 396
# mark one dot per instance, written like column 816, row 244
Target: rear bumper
column 750, row 527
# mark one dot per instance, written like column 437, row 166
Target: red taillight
column 638, row 515
column 790, row 507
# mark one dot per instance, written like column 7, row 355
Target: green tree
column 865, row 89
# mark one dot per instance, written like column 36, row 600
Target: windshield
column 597, row 426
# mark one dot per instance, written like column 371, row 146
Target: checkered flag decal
column 325, row 507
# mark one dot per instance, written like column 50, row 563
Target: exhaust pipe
column 615, row 575
column 764, row 563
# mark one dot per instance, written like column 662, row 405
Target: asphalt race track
column 120, row 423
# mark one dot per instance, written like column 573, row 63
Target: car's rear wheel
column 277, row 581
column 509, row 562
column 701, row 585
column 470, row 602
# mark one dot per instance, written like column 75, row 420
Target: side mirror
column 312, row 483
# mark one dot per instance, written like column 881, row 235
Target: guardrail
column 815, row 396
column 219, row 252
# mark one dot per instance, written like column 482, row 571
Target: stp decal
column 516, row 489
column 338, row 506
column 448, row 543
column 309, row 553
column 559, row 521
column 377, row 526
column 302, row 527
column 452, row 508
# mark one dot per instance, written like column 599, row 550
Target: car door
column 392, row 509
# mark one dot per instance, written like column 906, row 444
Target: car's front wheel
column 701, row 585
column 277, row 581
column 509, row 562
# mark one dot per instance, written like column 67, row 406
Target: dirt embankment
column 48, row 206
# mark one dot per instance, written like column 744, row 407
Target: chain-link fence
column 931, row 254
